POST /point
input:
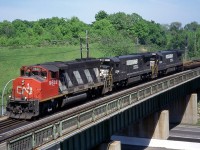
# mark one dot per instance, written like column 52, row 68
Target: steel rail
column 10, row 124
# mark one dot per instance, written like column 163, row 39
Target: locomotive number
column 53, row 82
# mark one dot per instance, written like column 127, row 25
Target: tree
column 193, row 26
column 103, row 28
column 56, row 33
column 19, row 26
column 193, row 42
column 3, row 41
column 156, row 35
column 120, row 21
column 7, row 29
column 76, row 27
column 30, row 32
column 135, row 18
column 101, row 15
column 141, row 31
column 116, row 44
column 38, row 30
column 177, row 40
column 175, row 26
column 114, row 32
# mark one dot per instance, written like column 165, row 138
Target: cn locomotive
column 46, row 87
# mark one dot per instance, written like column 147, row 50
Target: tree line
column 117, row 33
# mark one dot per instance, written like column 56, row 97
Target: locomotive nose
column 104, row 73
column 23, row 89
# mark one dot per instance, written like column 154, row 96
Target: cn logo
column 27, row 89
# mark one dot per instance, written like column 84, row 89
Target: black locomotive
column 136, row 67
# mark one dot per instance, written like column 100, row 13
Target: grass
column 11, row 60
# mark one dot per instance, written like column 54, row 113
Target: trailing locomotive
column 49, row 86
column 136, row 67
column 130, row 68
column 170, row 61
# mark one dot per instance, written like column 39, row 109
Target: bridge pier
column 162, row 125
column 115, row 145
column 184, row 111
column 154, row 126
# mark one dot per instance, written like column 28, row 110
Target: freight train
column 47, row 87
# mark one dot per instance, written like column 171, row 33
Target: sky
column 160, row 11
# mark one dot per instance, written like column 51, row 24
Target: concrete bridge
column 142, row 111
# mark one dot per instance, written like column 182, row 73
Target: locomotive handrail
column 82, row 117
column 2, row 109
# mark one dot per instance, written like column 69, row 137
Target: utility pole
column 87, row 44
column 137, row 43
column 195, row 43
column 186, row 47
column 81, row 48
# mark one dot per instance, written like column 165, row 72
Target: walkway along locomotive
column 49, row 86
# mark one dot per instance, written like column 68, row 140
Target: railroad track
column 9, row 123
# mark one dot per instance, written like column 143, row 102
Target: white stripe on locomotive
column 88, row 76
column 78, row 77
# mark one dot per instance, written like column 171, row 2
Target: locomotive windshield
column 33, row 71
column 106, row 63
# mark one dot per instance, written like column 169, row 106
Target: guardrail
column 78, row 119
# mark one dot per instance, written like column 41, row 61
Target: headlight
column 22, row 82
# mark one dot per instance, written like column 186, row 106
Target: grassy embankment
column 12, row 59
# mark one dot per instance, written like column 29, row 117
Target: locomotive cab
column 151, row 61
column 36, row 84
column 171, row 61
column 105, row 67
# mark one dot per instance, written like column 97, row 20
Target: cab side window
column 44, row 74
column 22, row 72
column 53, row 75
